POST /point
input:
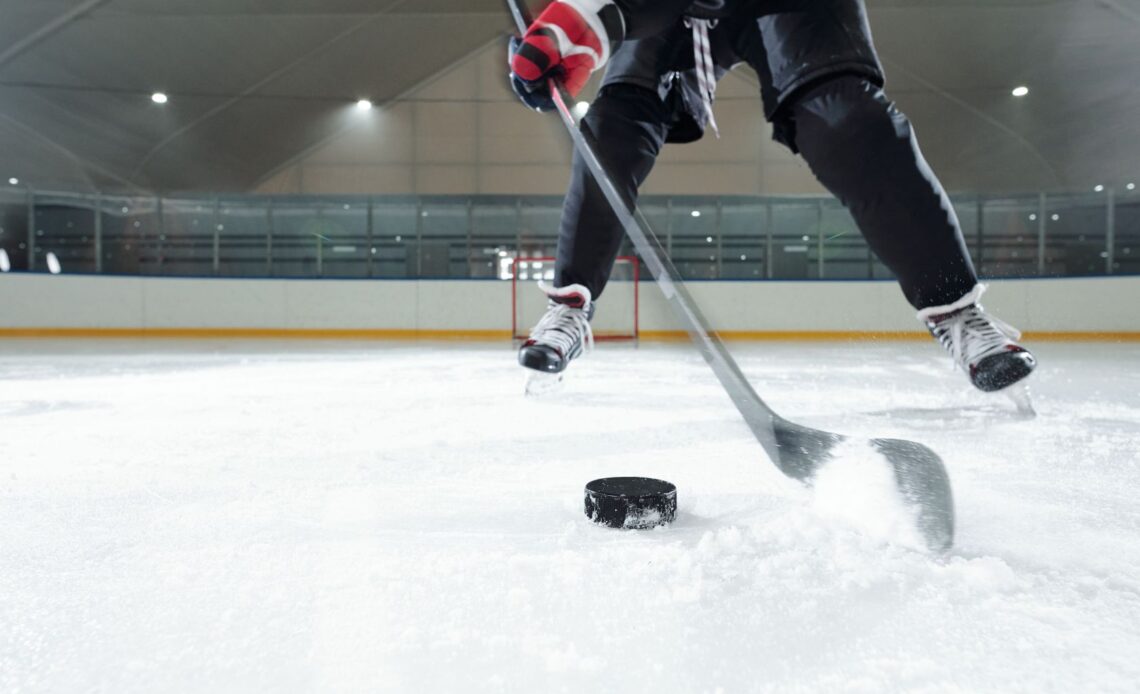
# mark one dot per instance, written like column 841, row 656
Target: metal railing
column 739, row 238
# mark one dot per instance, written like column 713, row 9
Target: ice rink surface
column 333, row 517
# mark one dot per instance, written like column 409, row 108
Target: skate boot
column 559, row 337
column 981, row 345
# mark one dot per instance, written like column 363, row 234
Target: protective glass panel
column 459, row 236
column 795, row 239
column 1126, row 246
column 65, row 230
column 394, row 227
column 13, row 231
column 494, row 236
column 188, row 230
column 539, row 222
column 344, row 245
column 1009, row 241
column 444, row 238
column 1076, row 234
column 846, row 254
column 744, row 240
column 130, row 236
column 656, row 209
column 245, row 246
column 695, row 238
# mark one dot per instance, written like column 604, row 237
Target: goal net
column 615, row 317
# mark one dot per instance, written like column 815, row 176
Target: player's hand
column 535, row 94
column 566, row 43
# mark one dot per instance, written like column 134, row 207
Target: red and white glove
column 569, row 40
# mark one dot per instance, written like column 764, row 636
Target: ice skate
column 560, row 336
column 983, row 346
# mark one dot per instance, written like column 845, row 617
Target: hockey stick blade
column 798, row 451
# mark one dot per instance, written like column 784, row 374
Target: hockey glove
column 535, row 95
column 569, row 41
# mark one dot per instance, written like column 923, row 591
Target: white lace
column 706, row 68
column 969, row 335
column 565, row 329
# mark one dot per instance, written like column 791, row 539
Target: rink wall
column 33, row 305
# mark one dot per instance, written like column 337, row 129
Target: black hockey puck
column 637, row 503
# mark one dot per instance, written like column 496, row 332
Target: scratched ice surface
column 370, row 517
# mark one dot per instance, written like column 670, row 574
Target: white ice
column 368, row 517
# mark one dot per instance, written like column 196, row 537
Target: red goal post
column 617, row 316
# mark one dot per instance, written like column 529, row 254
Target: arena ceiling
column 253, row 82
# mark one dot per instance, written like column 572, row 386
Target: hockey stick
column 798, row 451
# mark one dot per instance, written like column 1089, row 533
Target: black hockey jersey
column 790, row 43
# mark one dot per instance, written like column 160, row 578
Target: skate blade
column 539, row 383
column 1019, row 394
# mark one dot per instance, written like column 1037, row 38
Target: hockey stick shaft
column 758, row 416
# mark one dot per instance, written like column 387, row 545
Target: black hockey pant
column 857, row 144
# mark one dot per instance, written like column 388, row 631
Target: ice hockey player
column 821, row 84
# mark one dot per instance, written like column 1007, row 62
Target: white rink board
column 43, row 301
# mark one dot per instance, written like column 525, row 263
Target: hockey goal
column 616, row 317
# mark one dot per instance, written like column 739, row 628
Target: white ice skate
column 560, row 336
column 983, row 346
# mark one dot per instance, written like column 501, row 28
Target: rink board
column 39, row 305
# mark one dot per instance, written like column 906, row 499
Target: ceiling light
column 53, row 264
column 1098, row 189
column 1020, row 91
column 159, row 98
column 581, row 109
column 695, row 213
column 5, row 263
column 14, row 181
column 1131, row 186
column 364, row 105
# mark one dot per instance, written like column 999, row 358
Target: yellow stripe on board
column 848, row 335
column 501, row 335
column 1079, row 336
column 789, row 335
column 255, row 333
